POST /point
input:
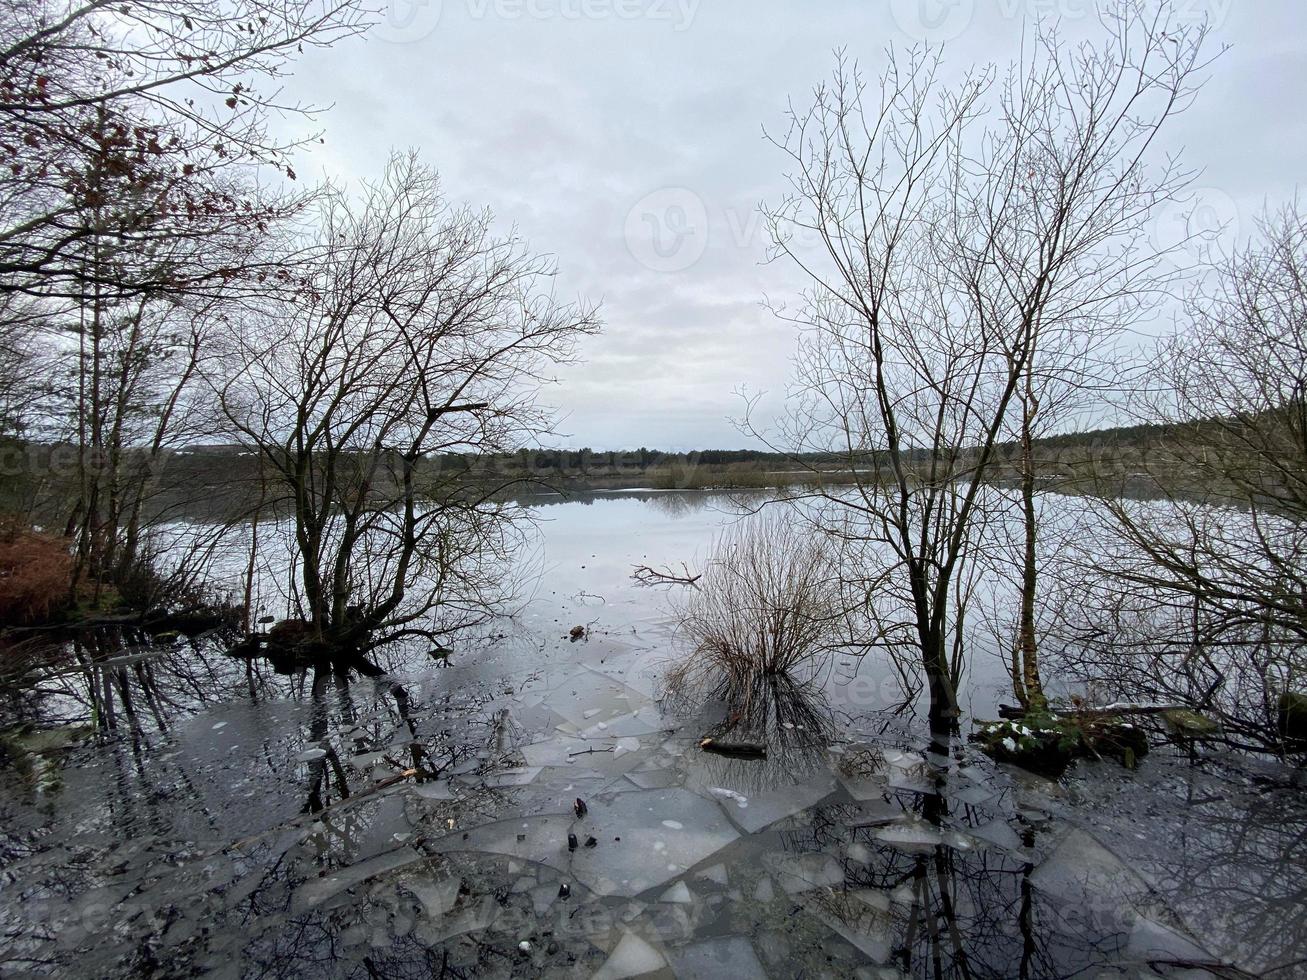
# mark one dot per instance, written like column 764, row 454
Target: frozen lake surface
column 246, row 824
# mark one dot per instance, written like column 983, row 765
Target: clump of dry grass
column 34, row 573
column 767, row 605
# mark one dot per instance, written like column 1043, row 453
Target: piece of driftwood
column 735, row 750
column 1014, row 712
column 652, row 576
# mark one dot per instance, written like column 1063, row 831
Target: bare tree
column 1209, row 537
column 134, row 398
column 419, row 332
column 138, row 124
column 134, row 139
column 23, row 375
column 943, row 251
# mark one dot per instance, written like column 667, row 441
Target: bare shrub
column 767, row 605
column 34, row 574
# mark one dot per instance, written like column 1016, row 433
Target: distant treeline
column 225, row 466
column 222, row 480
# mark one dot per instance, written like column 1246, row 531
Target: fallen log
column 1014, row 712
column 735, row 750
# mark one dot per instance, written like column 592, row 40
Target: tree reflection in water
column 141, row 856
column 941, row 901
column 193, row 839
column 791, row 719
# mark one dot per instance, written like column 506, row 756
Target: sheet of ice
column 1151, row 940
column 552, row 752
column 437, row 895
column 541, row 839
column 631, row 957
column 723, row 793
column 1081, row 870
column 911, row 781
column 873, row 899
column 900, row 758
column 874, row 813
column 803, row 872
column 999, row 833
column 389, row 825
column 860, row 853
column 644, row 721
column 311, row 755
column 717, row 959
column 625, row 745
column 317, row 890
column 678, row 894
column 659, row 779
column 865, row 928
column 959, row 841
column 767, row 808
column 717, row 874
column 972, row 794
column 513, row 777
column 911, row 836
column 477, row 918
column 438, row 790
column 543, row 897
column 861, row 788
column 649, row 853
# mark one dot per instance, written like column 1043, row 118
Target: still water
column 233, row 822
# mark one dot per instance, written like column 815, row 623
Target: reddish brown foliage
column 35, row 570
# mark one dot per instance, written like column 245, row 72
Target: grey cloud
column 563, row 124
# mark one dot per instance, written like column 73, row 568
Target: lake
column 536, row 806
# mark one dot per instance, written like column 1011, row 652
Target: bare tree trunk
column 1029, row 687
column 246, row 616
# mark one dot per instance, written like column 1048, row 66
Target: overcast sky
column 625, row 138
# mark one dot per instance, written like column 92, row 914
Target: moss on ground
column 1047, row 744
